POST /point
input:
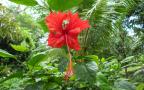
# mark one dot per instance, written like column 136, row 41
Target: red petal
column 74, row 32
column 73, row 43
column 54, row 21
column 76, row 22
column 56, row 40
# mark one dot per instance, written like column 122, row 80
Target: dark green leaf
column 51, row 86
column 35, row 86
column 63, row 4
column 42, row 86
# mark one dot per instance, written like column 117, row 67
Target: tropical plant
column 111, row 55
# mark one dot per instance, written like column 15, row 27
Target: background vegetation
column 112, row 54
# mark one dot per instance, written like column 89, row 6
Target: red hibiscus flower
column 64, row 30
column 65, row 26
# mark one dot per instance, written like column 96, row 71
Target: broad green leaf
column 49, row 54
column 43, row 25
column 61, row 5
column 25, row 2
column 14, row 75
column 37, row 58
column 86, row 71
column 6, row 54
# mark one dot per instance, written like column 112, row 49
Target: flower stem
column 69, row 71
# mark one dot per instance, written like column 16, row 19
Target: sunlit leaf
column 94, row 58
column 140, row 86
column 19, row 48
column 23, row 47
column 25, row 2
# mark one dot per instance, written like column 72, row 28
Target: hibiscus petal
column 73, row 43
column 54, row 21
column 56, row 40
column 74, row 32
column 76, row 22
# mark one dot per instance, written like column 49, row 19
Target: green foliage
column 63, row 4
column 43, row 25
column 99, row 33
column 10, row 85
column 42, row 86
column 45, row 55
column 102, row 82
column 110, row 58
column 123, row 85
column 5, row 54
column 9, row 28
column 138, row 75
column 25, row 2
column 14, row 75
column 27, row 22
